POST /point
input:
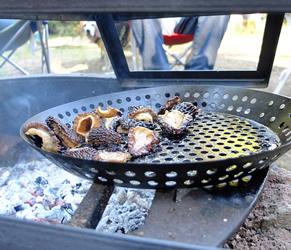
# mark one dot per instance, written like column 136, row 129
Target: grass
column 18, row 56
column 63, row 58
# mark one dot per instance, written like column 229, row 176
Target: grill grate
column 238, row 132
column 213, row 136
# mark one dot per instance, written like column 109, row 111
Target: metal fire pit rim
column 76, row 237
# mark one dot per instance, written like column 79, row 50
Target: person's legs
column 207, row 38
column 149, row 39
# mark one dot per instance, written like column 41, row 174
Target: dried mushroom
column 103, row 136
column 112, row 122
column 103, row 155
column 84, row 122
column 49, row 140
column 121, row 130
column 171, row 102
column 110, row 112
column 87, row 153
column 187, row 108
column 141, row 141
column 142, row 114
column 68, row 137
column 126, row 124
column 174, row 122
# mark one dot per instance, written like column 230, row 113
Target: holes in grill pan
column 213, row 142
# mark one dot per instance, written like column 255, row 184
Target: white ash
column 126, row 210
column 41, row 191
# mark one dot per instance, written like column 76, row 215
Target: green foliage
column 63, row 28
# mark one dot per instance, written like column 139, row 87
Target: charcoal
column 6, row 208
column 50, row 198
column 126, row 210
column 19, row 208
column 33, row 191
column 4, row 177
column 37, row 193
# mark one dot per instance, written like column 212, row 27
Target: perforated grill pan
column 238, row 132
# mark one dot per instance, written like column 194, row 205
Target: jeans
column 208, row 34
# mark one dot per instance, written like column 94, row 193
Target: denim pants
column 208, row 34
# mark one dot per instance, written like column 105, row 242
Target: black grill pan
column 238, row 132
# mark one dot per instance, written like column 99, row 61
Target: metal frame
column 34, row 9
column 243, row 78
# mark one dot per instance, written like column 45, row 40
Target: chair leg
column 178, row 59
column 45, row 49
column 48, row 60
column 282, row 80
column 7, row 59
column 133, row 49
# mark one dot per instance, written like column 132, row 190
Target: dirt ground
column 267, row 226
column 78, row 55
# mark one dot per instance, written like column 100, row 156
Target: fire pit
column 217, row 209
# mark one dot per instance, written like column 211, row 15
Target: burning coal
column 40, row 191
column 126, row 210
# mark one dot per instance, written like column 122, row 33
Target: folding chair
column 177, row 39
column 169, row 41
column 15, row 33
